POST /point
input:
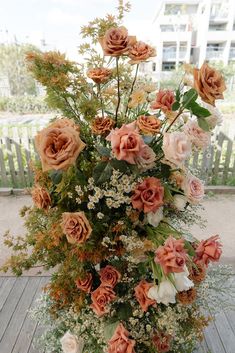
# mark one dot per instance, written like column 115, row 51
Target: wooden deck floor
column 17, row 330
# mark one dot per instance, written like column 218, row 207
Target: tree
column 14, row 68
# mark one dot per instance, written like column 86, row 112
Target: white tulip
column 71, row 343
column 154, row 218
column 180, row 202
column 182, row 282
column 164, row 293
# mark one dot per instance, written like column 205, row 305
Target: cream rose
column 198, row 137
column 164, row 293
column 154, row 218
column 179, row 201
column 58, row 147
column 71, row 343
column 176, row 147
column 182, row 282
column 146, row 158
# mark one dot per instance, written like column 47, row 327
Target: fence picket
column 218, row 153
column 227, row 159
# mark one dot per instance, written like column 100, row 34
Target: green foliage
column 14, row 68
column 24, row 105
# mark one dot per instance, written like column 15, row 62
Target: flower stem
column 132, row 87
column 118, row 87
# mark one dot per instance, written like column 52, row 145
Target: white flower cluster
column 115, row 191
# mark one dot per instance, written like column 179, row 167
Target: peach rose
column 109, row 276
column 102, row 296
column 197, row 135
column 84, row 284
column 194, row 189
column 141, row 291
column 209, row 250
column 172, row 255
column 102, row 126
column 99, row 74
column 209, row 84
column 140, row 51
column 126, row 143
column 41, row 197
column 162, row 342
column 148, row 195
column 116, row 41
column 164, row 100
column 76, row 227
column 149, row 124
column 146, row 158
column 63, row 122
column 58, row 147
column 176, row 147
column 120, row 341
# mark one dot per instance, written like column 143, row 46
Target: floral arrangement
column 111, row 196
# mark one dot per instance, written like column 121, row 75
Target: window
column 168, row 66
column 153, row 66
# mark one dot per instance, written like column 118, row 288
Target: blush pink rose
column 146, row 158
column 148, row 196
column 172, row 255
column 120, row 341
column 109, row 276
column 126, row 143
column 198, row 137
column 76, row 227
column 193, row 188
column 141, row 291
column 162, row 342
column 164, row 100
column 84, row 284
column 176, row 147
column 102, row 296
column 209, row 250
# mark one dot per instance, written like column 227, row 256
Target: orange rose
column 84, row 284
column 102, row 126
column 162, row 342
column 209, row 84
column 141, row 51
column 102, row 296
column 149, row 124
column 141, row 294
column 172, row 255
column 116, row 41
column 164, row 100
column 148, row 195
column 41, row 197
column 99, row 74
column 209, row 250
column 76, row 227
column 120, row 341
column 58, row 146
column 63, row 122
column 109, row 276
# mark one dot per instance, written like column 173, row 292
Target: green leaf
column 167, row 194
column 189, row 247
column 177, row 95
column 124, row 311
column 122, row 166
column 102, row 172
column 109, row 330
column 189, row 97
column 103, row 151
column 175, row 106
column 203, row 124
column 56, row 176
column 199, row 111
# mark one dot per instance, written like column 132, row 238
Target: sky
column 59, row 21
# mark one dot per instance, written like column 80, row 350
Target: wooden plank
column 11, row 303
column 205, row 165
column 5, row 290
column 20, row 162
column 231, row 319
column 11, row 161
column 3, row 172
column 227, row 160
column 213, row 340
column 202, row 348
column 13, row 329
column 210, row 164
column 225, row 332
column 38, row 333
column 220, row 141
column 24, row 340
column 25, row 141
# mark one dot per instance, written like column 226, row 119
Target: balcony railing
column 214, row 53
column 170, row 53
column 232, row 54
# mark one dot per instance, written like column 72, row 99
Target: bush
column 24, row 105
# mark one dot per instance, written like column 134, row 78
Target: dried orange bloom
column 141, row 51
column 198, row 274
column 149, row 124
column 102, row 126
column 187, row 297
column 99, row 74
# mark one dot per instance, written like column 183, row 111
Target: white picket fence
column 216, row 165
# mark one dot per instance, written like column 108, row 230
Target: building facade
column 192, row 31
